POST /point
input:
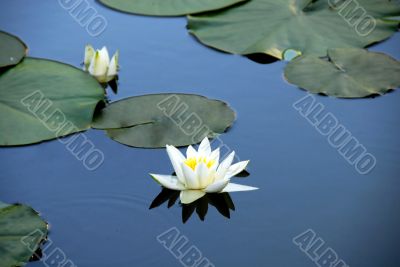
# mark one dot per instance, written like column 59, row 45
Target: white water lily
column 98, row 64
column 200, row 172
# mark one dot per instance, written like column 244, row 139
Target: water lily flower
column 98, row 64
column 200, row 172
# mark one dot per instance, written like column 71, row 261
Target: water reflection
column 114, row 84
column 221, row 201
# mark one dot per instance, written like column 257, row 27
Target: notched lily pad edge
column 166, row 94
column 277, row 54
column 211, row 135
column 327, row 58
column 88, row 127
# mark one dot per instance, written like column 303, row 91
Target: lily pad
column 308, row 26
column 167, row 7
column 42, row 99
column 349, row 73
column 21, row 232
column 153, row 121
column 12, row 49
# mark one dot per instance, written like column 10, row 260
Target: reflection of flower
column 98, row 64
column 221, row 201
column 200, row 172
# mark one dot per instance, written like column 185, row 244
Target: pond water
column 102, row 217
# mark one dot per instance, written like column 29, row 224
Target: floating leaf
column 152, row 121
column 167, row 7
column 310, row 27
column 349, row 73
column 42, row 100
column 12, row 49
column 21, row 232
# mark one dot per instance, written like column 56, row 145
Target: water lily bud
column 113, row 67
column 89, row 53
column 100, row 65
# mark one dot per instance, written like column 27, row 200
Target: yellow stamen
column 192, row 162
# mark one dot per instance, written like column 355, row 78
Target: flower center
column 192, row 162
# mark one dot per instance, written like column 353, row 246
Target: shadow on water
column 221, row 201
column 262, row 58
column 37, row 255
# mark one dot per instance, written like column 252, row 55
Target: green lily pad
column 12, row 50
column 21, row 232
column 167, row 7
column 308, row 26
column 152, row 121
column 42, row 100
column 349, row 73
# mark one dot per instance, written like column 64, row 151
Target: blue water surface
column 101, row 218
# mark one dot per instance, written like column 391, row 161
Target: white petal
column 104, row 54
column 168, row 181
column 224, row 166
column 191, row 152
column 215, row 156
column 89, row 54
column 189, row 196
column 205, row 148
column 191, row 180
column 236, row 168
column 116, row 56
column 231, row 187
column 203, row 175
column 217, row 187
column 211, row 177
column 98, row 67
column 176, row 158
column 113, row 68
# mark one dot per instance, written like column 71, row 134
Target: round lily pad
column 152, row 121
column 12, row 49
column 21, row 232
column 167, row 7
column 349, row 73
column 307, row 26
column 43, row 99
